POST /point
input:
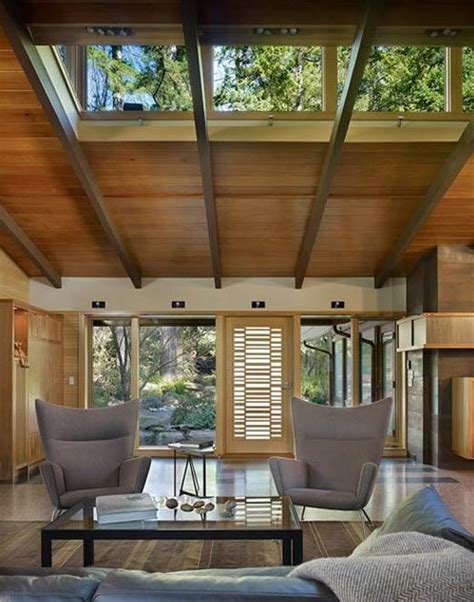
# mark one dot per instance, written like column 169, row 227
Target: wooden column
column 330, row 79
column 355, row 338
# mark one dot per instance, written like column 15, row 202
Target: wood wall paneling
column 14, row 283
column 71, row 360
column 7, row 416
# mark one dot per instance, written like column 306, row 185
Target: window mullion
column 453, row 98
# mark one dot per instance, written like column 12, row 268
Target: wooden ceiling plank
column 29, row 247
column 360, row 53
column 196, row 78
column 438, row 188
column 28, row 56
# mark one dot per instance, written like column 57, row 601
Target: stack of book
column 125, row 508
column 193, row 444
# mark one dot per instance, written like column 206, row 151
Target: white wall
column 236, row 294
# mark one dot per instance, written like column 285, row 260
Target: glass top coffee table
column 254, row 518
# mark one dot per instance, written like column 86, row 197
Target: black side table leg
column 174, row 472
column 194, row 475
column 88, row 552
column 183, row 478
column 46, row 550
column 286, row 551
column 204, row 476
column 297, row 555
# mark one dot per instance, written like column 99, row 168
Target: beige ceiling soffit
column 259, row 131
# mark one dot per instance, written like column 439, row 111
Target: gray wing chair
column 338, row 452
column 89, row 452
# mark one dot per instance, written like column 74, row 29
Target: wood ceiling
column 263, row 190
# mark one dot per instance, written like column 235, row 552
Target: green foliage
column 267, row 78
column 404, row 78
column 164, row 76
column 315, row 371
column 156, row 76
column 468, row 79
column 270, row 78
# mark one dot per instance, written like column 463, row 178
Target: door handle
column 286, row 386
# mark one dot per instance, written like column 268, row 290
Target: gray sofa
column 424, row 512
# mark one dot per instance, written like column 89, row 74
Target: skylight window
column 121, row 77
column 399, row 78
column 267, row 78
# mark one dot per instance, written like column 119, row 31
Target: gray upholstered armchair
column 89, row 452
column 338, row 452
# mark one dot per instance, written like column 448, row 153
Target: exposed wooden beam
column 30, row 60
column 29, row 247
column 196, row 78
column 438, row 188
column 360, row 52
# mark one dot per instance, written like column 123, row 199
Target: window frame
column 453, row 108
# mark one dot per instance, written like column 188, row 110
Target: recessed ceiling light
column 269, row 31
column 447, row 32
column 109, row 31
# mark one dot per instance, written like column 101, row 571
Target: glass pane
column 399, row 78
column 388, row 359
column 366, row 372
column 338, row 376
column 155, row 78
column 348, row 396
column 111, row 373
column 315, row 364
column 468, row 79
column 267, row 78
column 177, row 383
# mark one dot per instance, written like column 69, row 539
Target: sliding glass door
column 177, row 380
column 167, row 363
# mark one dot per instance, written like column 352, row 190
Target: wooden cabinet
column 463, row 417
column 436, row 331
column 31, row 348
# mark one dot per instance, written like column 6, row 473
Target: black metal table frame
column 292, row 539
column 189, row 464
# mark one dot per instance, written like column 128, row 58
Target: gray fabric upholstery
column 70, row 498
column 89, row 452
column 221, row 585
column 133, row 473
column 112, row 585
column 338, row 452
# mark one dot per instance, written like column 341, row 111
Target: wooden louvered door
column 259, row 385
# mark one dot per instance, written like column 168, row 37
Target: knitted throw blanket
column 398, row 567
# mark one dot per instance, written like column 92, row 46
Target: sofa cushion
column 51, row 588
column 323, row 498
column 70, row 498
column 424, row 511
column 213, row 585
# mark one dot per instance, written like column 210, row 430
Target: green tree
column 468, row 79
column 267, row 78
column 396, row 78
